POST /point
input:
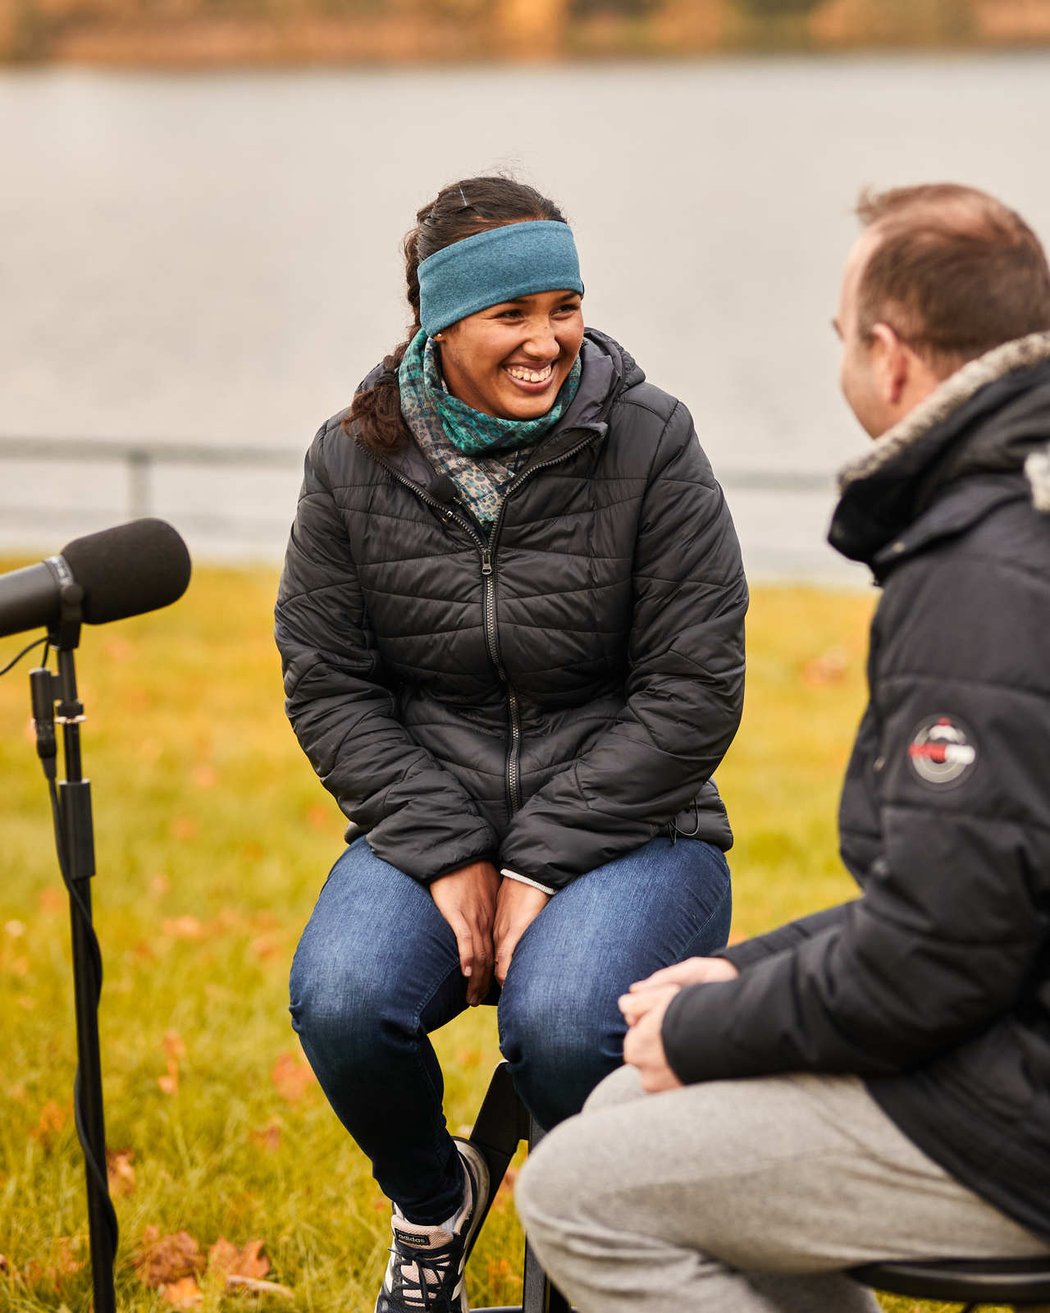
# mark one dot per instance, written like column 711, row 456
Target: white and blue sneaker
column 425, row 1272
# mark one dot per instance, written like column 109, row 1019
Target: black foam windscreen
column 125, row 571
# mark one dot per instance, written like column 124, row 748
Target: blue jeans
column 377, row 970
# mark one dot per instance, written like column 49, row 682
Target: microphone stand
column 74, row 840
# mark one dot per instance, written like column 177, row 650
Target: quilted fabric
column 548, row 700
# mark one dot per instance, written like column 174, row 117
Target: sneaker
column 425, row 1272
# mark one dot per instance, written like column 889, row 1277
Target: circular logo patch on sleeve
column 941, row 751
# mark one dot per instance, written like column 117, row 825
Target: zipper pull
column 486, row 561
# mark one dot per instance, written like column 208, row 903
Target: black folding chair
column 502, row 1124
column 1022, row 1283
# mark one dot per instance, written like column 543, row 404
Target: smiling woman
column 512, row 359
column 511, row 621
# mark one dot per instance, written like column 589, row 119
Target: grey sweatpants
column 742, row 1197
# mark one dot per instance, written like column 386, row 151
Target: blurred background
column 203, row 201
column 201, row 210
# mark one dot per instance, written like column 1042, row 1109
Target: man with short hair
column 873, row 1081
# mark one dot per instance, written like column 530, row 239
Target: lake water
column 214, row 258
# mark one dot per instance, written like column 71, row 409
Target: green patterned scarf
column 480, row 453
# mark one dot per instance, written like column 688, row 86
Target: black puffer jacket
column 935, row 984
column 548, row 700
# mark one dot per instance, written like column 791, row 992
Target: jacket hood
column 991, row 417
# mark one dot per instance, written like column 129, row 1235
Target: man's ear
column 893, row 362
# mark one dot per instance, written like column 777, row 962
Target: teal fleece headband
column 496, row 265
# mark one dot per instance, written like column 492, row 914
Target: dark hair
column 955, row 272
column 459, row 210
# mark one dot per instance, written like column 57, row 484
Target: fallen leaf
column 53, row 1118
column 62, row 1262
column 184, row 1293
column 319, row 817
column 265, row 946
column 182, row 927
column 204, row 776
column 828, row 668
column 184, row 827
column 506, row 1186
column 174, row 1049
column 249, row 1261
column 269, row 1138
column 291, row 1077
column 118, row 648
column 52, row 901
column 174, row 1045
column 121, row 1172
column 161, row 1260
column 498, row 1269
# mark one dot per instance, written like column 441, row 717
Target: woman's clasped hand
column 488, row 915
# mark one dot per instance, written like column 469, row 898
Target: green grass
column 212, row 838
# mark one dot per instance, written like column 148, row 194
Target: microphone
column 442, row 489
column 135, row 567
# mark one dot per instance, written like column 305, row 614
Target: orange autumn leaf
column 184, row 827
column 118, row 648
column 174, row 1045
column 161, row 1260
column 121, row 1171
column 291, row 1077
column 182, row 927
column 62, row 1261
column 52, row 901
column 53, row 1118
column 269, row 1138
column 204, row 776
column 506, row 1186
column 265, row 946
column 319, row 817
column 174, row 1050
column 830, row 667
column 184, row 1293
column 248, row 1261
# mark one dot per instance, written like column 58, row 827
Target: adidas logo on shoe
column 425, row 1272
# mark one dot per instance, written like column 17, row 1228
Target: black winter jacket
column 548, row 699
column 934, row 985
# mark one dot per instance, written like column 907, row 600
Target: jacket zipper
column 488, row 571
column 488, row 579
column 513, row 762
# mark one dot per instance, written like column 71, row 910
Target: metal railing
column 140, row 459
column 225, row 519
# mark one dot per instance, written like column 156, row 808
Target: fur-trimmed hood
column 991, row 417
